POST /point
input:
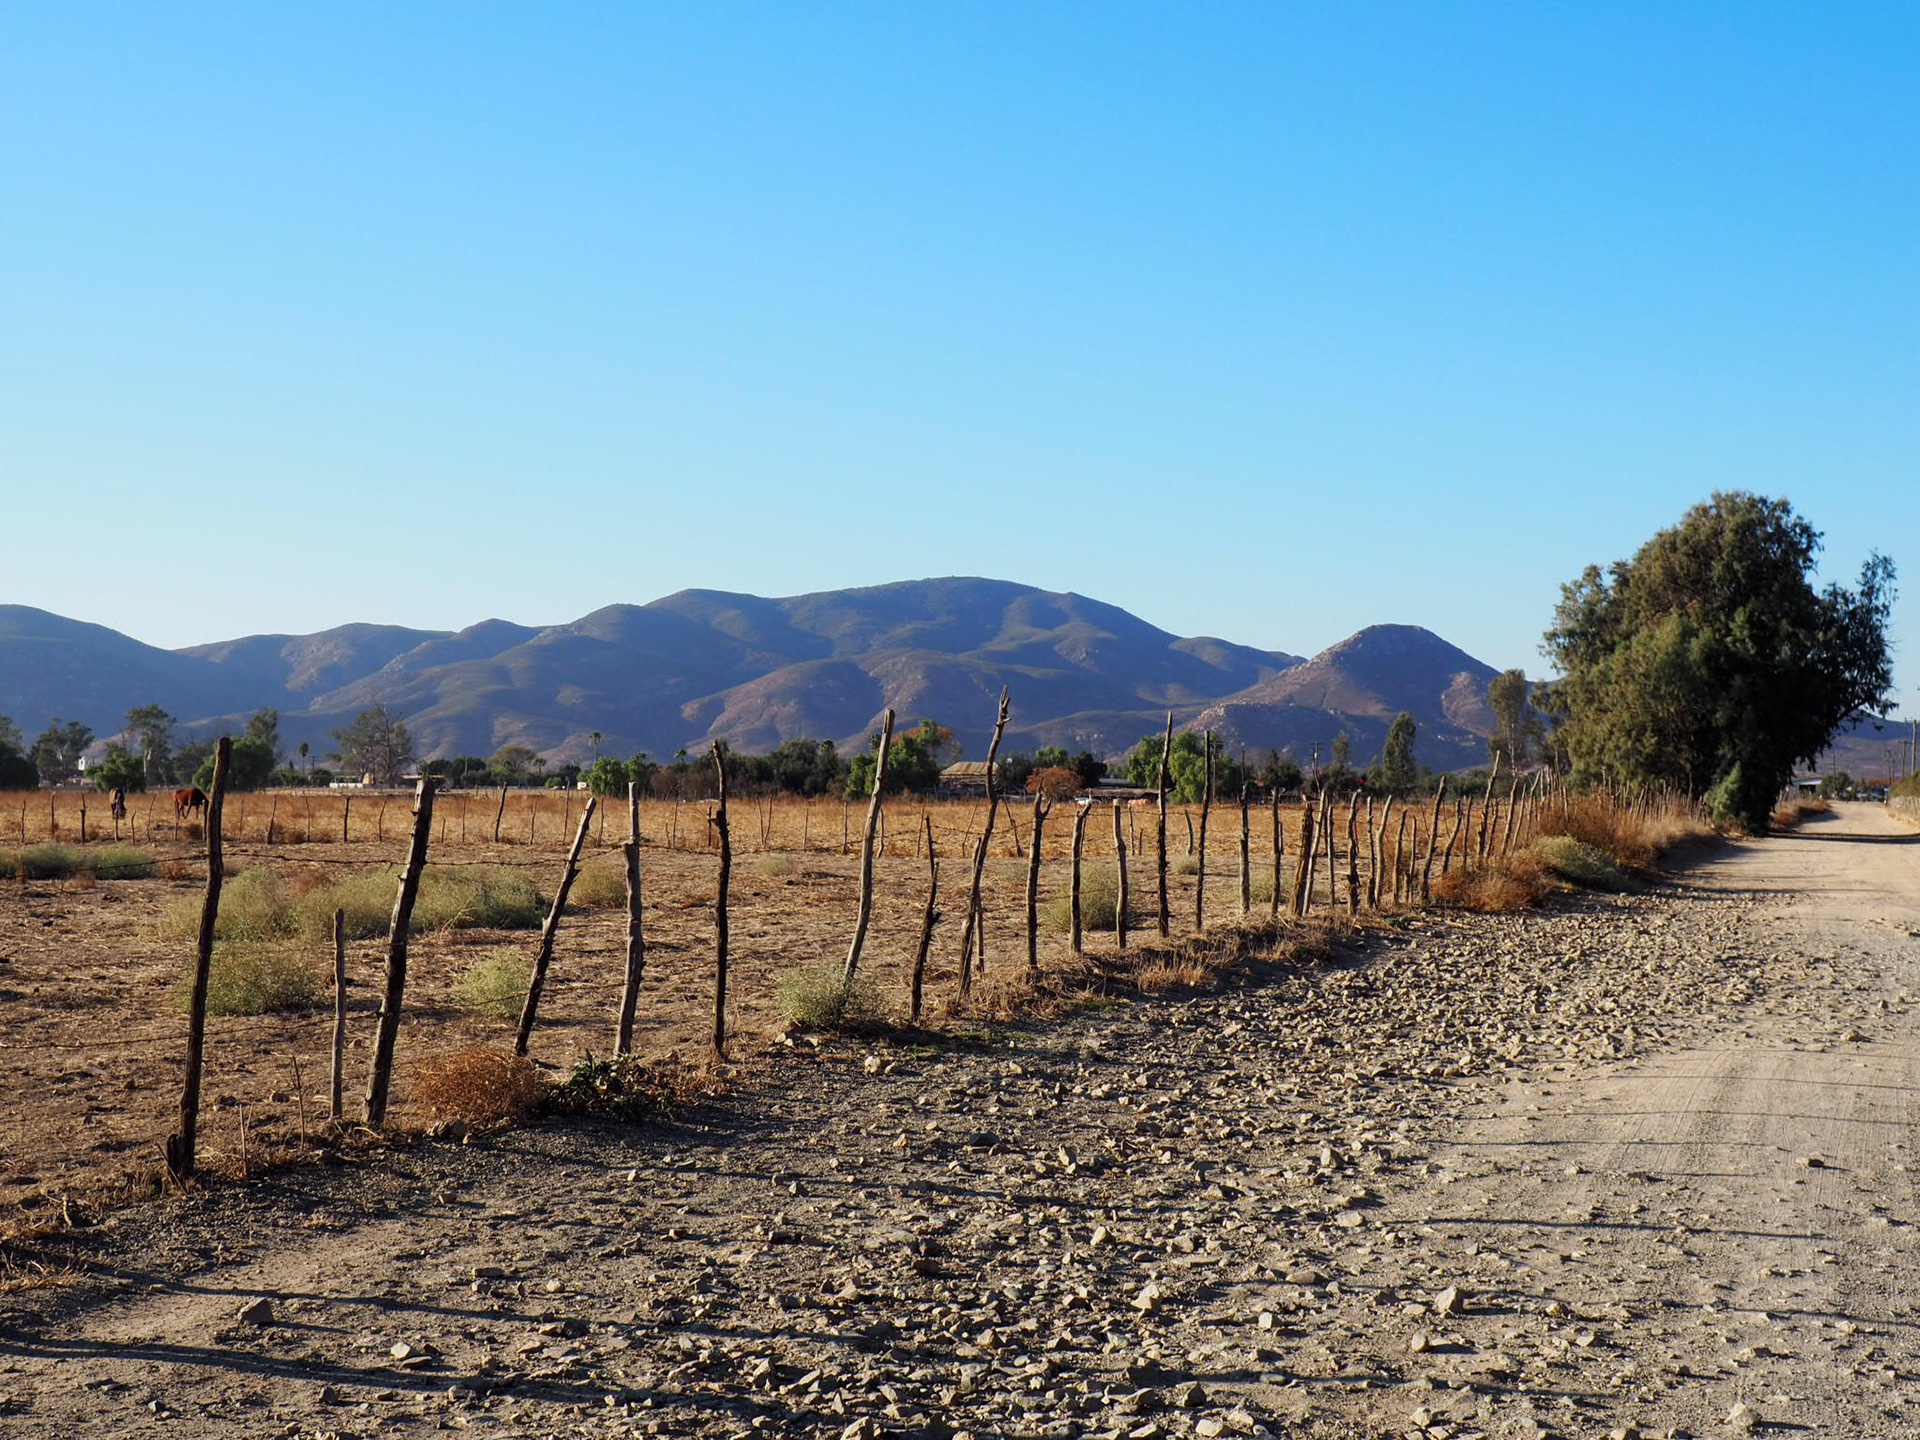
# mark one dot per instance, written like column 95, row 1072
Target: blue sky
column 1262, row 321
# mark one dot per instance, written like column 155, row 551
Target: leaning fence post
column 1433, row 841
column 1353, row 853
column 636, row 937
column 499, row 813
column 865, row 912
column 382, row 1074
column 547, row 932
column 180, row 1145
column 1303, row 867
column 973, row 920
column 1121, row 888
column 1200, row 857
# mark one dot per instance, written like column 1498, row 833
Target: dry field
column 94, row 1034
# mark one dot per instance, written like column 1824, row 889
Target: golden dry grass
column 479, row 1085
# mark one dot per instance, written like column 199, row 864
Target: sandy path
column 1753, row 1197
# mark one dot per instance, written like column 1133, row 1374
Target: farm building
column 964, row 777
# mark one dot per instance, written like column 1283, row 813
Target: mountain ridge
column 684, row 669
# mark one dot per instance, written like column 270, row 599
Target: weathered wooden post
column 1433, row 840
column 1246, row 852
column 499, row 814
column 336, row 1109
column 636, row 937
column 1033, row 886
column 1160, row 852
column 1080, row 811
column 1460, row 811
column 1279, row 856
column 1200, row 855
column 865, row 911
column 1303, row 867
column 1487, row 804
column 973, row 923
column 381, row 1076
column 346, row 816
column 180, row 1145
column 927, row 919
column 1353, row 853
column 720, row 909
column 1121, row 889
column 544, row 957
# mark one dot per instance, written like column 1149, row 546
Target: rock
column 1212, row 1425
column 1742, row 1417
column 1189, row 1396
column 257, row 1312
column 1420, row 1342
column 865, row 1428
column 1449, row 1301
column 1149, row 1299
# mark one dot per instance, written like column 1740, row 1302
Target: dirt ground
column 94, row 1034
column 1623, row 1166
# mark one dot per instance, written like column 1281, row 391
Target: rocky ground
column 1431, row 1186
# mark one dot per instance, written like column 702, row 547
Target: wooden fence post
column 1353, row 853
column 499, row 814
column 1033, row 886
column 974, row 922
column 1279, row 857
column 927, row 919
column 1460, row 808
column 346, row 816
column 1200, row 855
column 336, row 1109
column 1160, row 852
column 1080, row 812
column 636, row 937
column 1486, row 811
column 724, row 879
column 1303, row 867
column 1433, row 840
column 1122, row 891
column 1376, row 850
column 865, row 912
column 544, row 957
column 1402, row 875
column 180, row 1145
column 1246, row 853
column 1326, row 833
column 381, row 1076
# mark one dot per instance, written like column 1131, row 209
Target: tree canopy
column 1709, row 663
column 376, row 743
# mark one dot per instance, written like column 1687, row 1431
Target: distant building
column 965, row 777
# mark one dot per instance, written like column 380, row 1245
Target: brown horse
column 186, row 802
column 117, row 807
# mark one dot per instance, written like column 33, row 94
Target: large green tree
column 1710, row 663
column 56, row 749
column 149, row 731
column 1517, row 730
column 1396, row 771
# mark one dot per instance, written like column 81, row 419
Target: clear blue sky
column 1265, row 321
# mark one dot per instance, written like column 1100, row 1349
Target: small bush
column 600, row 887
column 367, row 899
column 774, row 867
column 817, row 997
column 479, row 1085
column 623, row 1087
column 1580, row 864
column 495, row 984
column 123, row 862
column 252, row 977
column 253, row 906
column 1515, row 884
column 49, row 862
column 489, row 897
column 1099, row 900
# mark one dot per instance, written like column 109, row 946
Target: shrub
column 774, row 867
column 1099, row 900
column 1579, row 863
column 817, row 997
column 479, row 1085
column 123, row 862
column 1514, row 884
column 600, row 887
column 367, row 899
column 49, row 862
column 253, row 906
column 492, row 897
column 253, row 977
column 623, row 1087
column 495, row 984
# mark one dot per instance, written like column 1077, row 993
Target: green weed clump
column 254, row 905
column 817, row 997
column 49, row 862
column 1099, row 903
column 123, row 862
column 258, row 904
column 495, row 984
column 484, row 897
column 1581, row 864
column 622, row 1087
column 252, row 977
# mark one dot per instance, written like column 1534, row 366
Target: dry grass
column 1515, row 884
column 479, row 1085
column 259, row 977
column 1790, row 812
column 495, row 984
column 818, row 997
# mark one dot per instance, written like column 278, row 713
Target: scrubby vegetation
column 495, row 984
column 260, row 903
column 817, row 997
column 479, row 1085
column 258, row 977
column 59, row 862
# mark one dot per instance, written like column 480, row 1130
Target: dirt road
column 1626, row 1165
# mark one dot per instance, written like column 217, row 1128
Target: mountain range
column 699, row 664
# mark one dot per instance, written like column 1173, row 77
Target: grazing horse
column 189, row 800
column 117, row 807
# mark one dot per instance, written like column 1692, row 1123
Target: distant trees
column 17, row 772
column 249, row 765
column 57, row 749
column 511, row 764
column 376, row 743
column 913, row 761
column 120, row 769
column 1280, row 771
column 1709, row 663
column 1518, row 732
column 149, row 727
column 1396, row 771
column 1186, row 766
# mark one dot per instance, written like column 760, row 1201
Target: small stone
column 259, row 1312
column 872, row 1066
column 1449, row 1301
column 1420, row 1342
column 1210, row 1426
column 1742, row 1417
column 1189, row 1396
column 1149, row 1298
column 1814, row 1162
